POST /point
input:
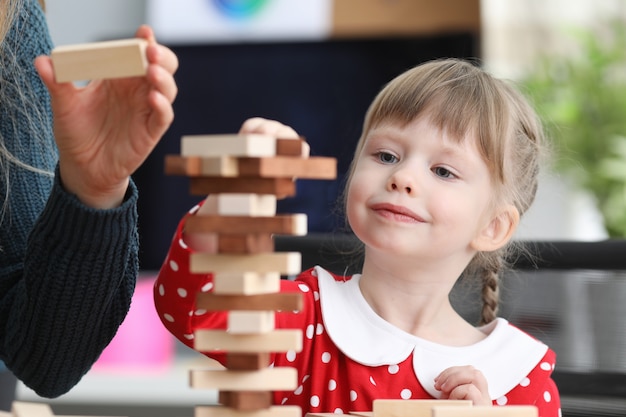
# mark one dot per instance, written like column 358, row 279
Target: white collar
column 505, row 356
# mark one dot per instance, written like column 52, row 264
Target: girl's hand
column 463, row 383
column 106, row 129
column 268, row 127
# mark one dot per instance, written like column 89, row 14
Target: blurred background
column 316, row 65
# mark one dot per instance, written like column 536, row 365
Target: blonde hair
column 466, row 101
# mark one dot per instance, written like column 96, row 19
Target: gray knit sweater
column 67, row 272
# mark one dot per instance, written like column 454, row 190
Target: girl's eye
column 443, row 172
column 387, row 158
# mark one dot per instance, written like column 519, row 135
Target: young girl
column 446, row 165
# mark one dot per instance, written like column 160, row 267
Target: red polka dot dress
column 352, row 356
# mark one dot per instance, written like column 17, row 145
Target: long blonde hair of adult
column 466, row 101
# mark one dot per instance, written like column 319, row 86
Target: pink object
column 142, row 342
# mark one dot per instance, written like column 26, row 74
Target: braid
column 490, row 290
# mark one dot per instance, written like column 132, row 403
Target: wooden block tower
column 244, row 176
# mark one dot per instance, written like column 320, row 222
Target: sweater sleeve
column 74, row 291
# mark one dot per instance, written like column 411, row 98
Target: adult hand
column 106, row 129
column 463, row 383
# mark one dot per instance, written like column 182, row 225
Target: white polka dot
column 291, row 356
column 190, row 313
column 502, row 400
column 525, row 382
column 161, row 290
column 182, row 244
column 372, row 381
column 405, row 394
column 189, row 336
column 314, row 272
column 546, row 366
column 393, row 369
column 309, row 331
column 547, row 396
column 304, row 287
column 326, row 357
column 283, row 401
column 560, row 413
column 173, row 265
column 194, row 209
column 316, row 295
column 207, row 287
column 168, row 317
column 315, row 401
column 299, row 390
column 338, row 411
column 304, row 378
column 182, row 293
column 332, row 385
column 319, row 329
column 199, row 312
column 353, row 395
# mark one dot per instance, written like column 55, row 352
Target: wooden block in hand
column 100, row 60
column 247, row 361
column 486, row 411
column 280, row 187
column 246, row 283
column 286, row 224
column 240, row 204
column 413, row 408
column 269, row 379
column 31, row 409
column 280, row 340
column 274, row 411
column 246, row 400
column 282, row 301
column 285, row 263
column 251, row 144
column 250, row 322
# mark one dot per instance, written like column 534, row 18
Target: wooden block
column 240, row 204
column 275, row 411
column 290, row 224
column 293, row 147
column 247, row 283
column 321, row 415
column 280, row 187
column 285, row 301
column 247, row 361
column 246, row 400
column 250, row 322
column 285, row 263
column 31, row 409
column 362, row 413
column 269, row 379
column 283, row 166
column 486, row 411
column 100, row 60
column 413, row 408
column 279, row 340
column 5, row 414
column 195, row 166
column 250, row 144
column 239, row 244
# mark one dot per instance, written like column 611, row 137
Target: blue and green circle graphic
column 239, row 9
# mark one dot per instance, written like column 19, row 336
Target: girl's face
column 415, row 191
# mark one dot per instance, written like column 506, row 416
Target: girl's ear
column 498, row 232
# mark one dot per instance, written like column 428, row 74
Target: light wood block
column 293, row 147
column 413, row 408
column 247, row 361
column 280, row 187
column 285, row 263
column 31, row 409
column 251, row 144
column 288, row 224
column 240, row 244
column 322, row 168
column 362, row 413
column 100, row 60
column 485, row 411
column 269, row 379
column 279, row 340
column 239, row 204
column 246, row 400
column 247, row 283
column 195, row 166
column 282, row 301
column 5, row 414
column 275, row 411
column 250, row 322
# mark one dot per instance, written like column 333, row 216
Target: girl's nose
column 402, row 181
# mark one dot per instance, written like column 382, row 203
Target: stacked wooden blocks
column 244, row 176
